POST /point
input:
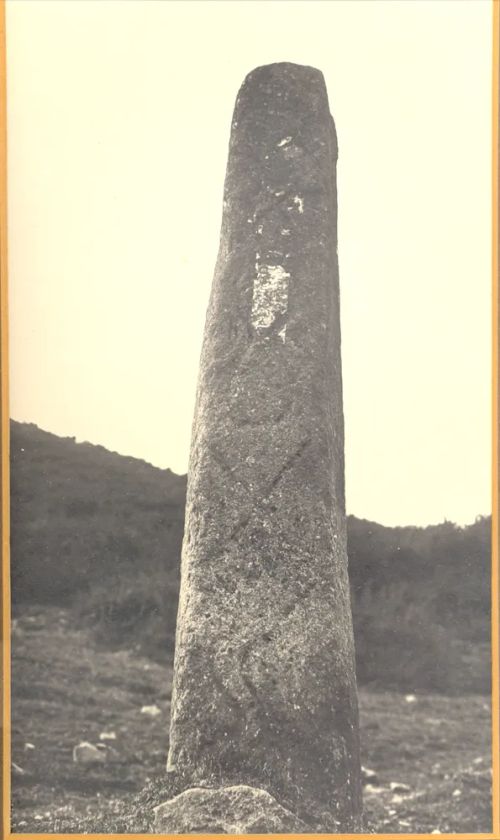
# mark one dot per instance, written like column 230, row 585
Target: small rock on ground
column 238, row 809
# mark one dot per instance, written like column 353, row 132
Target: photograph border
column 4, row 490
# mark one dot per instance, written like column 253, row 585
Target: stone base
column 238, row 809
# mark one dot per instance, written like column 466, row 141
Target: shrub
column 137, row 611
column 400, row 645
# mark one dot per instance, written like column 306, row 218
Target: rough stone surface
column 264, row 684
column 231, row 810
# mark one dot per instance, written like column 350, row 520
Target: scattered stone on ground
column 373, row 790
column 152, row 711
column 368, row 776
column 86, row 753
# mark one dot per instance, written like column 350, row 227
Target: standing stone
column 264, row 681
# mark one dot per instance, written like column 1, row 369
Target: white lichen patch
column 270, row 296
column 279, row 193
column 284, row 142
column 285, row 232
column 260, row 228
column 299, row 202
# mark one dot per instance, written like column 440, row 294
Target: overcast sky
column 118, row 122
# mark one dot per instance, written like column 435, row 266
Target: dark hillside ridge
column 81, row 514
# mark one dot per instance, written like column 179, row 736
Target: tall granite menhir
column 264, row 729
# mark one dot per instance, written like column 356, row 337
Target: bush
column 136, row 611
column 400, row 645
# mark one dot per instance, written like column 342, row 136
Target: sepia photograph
column 252, row 586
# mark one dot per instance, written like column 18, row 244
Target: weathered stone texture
column 264, row 688
column 230, row 810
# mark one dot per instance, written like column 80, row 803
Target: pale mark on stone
column 299, row 202
column 284, row 141
column 270, row 296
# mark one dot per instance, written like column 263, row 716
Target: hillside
column 101, row 533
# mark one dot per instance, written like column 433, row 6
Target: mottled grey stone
column 232, row 810
column 264, row 684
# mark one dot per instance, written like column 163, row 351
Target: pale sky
column 118, row 124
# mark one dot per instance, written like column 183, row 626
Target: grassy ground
column 65, row 690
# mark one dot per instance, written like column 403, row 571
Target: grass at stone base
column 65, row 690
